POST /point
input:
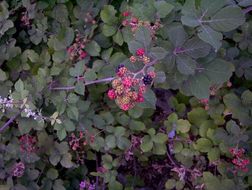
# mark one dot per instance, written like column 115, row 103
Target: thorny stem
column 145, row 67
column 247, row 10
column 109, row 79
column 86, row 83
column 9, row 122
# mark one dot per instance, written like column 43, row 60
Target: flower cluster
column 86, row 185
column 239, row 160
column 6, row 103
column 135, row 23
column 76, row 50
column 27, row 144
column 127, row 89
column 34, row 114
column 18, row 169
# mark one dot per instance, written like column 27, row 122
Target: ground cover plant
column 125, row 94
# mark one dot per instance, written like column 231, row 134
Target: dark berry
column 119, row 67
column 147, row 80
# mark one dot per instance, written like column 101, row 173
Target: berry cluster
column 18, row 169
column 239, row 160
column 205, row 102
column 127, row 89
column 25, row 20
column 78, row 142
column 140, row 56
column 76, row 50
column 27, row 144
column 135, row 23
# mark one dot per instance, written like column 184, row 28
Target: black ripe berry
column 119, row 67
column 147, row 79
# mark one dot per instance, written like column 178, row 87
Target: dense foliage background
column 189, row 129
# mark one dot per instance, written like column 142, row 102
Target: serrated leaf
column 163, row 8
column 158, row 53
column 118, row 38
column 196, row 48
column 227, row 19
column 183, row 126
column 210, row 36
column 93, row 48
column 186, row 65
column 108, row 14
column 108, row 30
column 143, row 35
column 3, row 75
column 203, row 145
column 146, row 144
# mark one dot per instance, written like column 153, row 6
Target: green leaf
column 197, row 116
column 90, row 75
column 186, row 65
column 108, row 30
column 219, row 71
column 227, row 19
column 170, row 184
column 160, row 138
column 177, row 35
column 66, row 160
column 69, row 125
column 163, row 8
column 93, row 48
column 52, row 174
column 133, row 46
column 203, row 145
column 3, row 75
column 110, row 141
column 209, row 8
column 61, row 134
column 196, row 48
column 80, row 88
column 149, row 100
column 158, row 53
column 143, row 35
column 118, row 38
column 210, row 36
column 211, row 181
column 213, row 154
column 108, row 14
column 146, row 144
column 123, row 143
column 183, row 126
column 73, row 112
column 19, row 85
column 246, row 97
column 136, row 125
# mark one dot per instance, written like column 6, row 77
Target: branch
column 247, row 10
column 145, row 67
column 9, row 122
column 85, row 83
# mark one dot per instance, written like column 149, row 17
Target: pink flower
column 111, row 94
column 140, row 52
